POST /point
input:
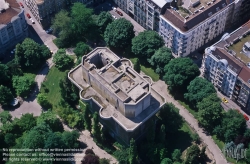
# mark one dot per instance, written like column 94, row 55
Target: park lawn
column 148, row 71
column 193, row 112
column 52, row 83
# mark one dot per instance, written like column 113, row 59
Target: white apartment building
column 191, row 26
column 226, row 64
column 13, row 26
column 186, row 25
column 222, row 70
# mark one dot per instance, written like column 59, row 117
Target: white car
column 33, row 22
column 114, row 17
column 114, row 8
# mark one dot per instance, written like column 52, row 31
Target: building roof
column 13, row 10
column 160, row 3
column 234, row 42
column 245, row 74
column 233, row 63
column 192, row 20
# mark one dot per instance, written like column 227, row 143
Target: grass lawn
column 148, row 71
column 52, row 83
column 193, row 112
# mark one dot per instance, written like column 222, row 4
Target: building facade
column 124, row 99
column 44, row 9
column 13, row 26
column 187, row 25
column 227, row 65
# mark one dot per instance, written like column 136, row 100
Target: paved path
column 161, row 87
column 87, row 139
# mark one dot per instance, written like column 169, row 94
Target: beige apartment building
column 13, row 26
column 123, row 98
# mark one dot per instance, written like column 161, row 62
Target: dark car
column 118, row 12
column 28, row 15
column 21, row 5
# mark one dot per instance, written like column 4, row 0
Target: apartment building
column 186, row 25
column 13, row 26
column 124, row 99
column 227, row 65
column 44, row 9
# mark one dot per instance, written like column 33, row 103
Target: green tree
column 192, row 155
column 122, row 155
column 62, row 60
column 6, row 96
column 176, row 155
column 162, row 134
column 232, row 125
column 133, row 154
column 166, row 161
column 36, row 137
column 5, row 74
column 50, row 119
column 104, row 161
column 96, row 127
column 160, row 59
column 248, row 154
column 60, row 25
column 146, row 43
column 81, row 49
column 54, row 140
column 210, row 112
column 82, row 21
column 14, row 68
column 43, row 101
column 103, row 19
column 69, row 91
column 87, row 119
column 5, row 117
column 169, row 116
column 23, row 85
column 9, row 139
column 198, row 89
column 137, row 66
column 70, row 138
column 119, row 33
column 179, row 72
column 26, row 122
column 30, row 54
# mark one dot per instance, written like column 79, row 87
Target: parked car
column 32, row 21
column 21, row 5
column 28, row 15
column 118, row 12
column 245, row 117
column 114, row 8
column 224, row 100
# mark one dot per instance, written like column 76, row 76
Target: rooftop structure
column 192, row 12
column 121, row 94
column 8, row 10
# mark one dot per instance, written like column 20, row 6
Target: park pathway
column 161, row 87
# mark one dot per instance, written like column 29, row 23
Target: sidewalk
column 161, row 87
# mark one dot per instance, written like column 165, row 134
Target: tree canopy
column 137, row 66
column 5, row 74
column 43, row 100
column 5, row 117
column 232, row 125
column 51, row 120
column 192, row 155
column 103, row 19
column 119, row 33
column 146, row 43
column 6, row 96
column 62, row 60
column 198, row 89
column 30, row 54
column 160, row 59
column 210, row 112
column 23, row 84
column 179, row 72
column 81, row 49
